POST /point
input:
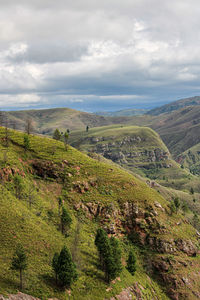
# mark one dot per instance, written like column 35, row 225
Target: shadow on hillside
column 49, row 281
column 11, row 283
column 92, row 267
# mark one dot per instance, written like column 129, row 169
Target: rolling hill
column 96, row 195
column 180, row 130
column 137, row 149
column 175, row 105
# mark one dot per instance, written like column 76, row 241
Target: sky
column 98, row 55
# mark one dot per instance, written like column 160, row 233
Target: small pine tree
column 65, row 139
column 57, row 135
column 19, row 262
column 26, row 142
column 131, row 262
column 87, row 128
column 67, row 273
column 65, row 220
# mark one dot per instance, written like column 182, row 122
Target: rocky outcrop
column 128, row 150
column 7, row 172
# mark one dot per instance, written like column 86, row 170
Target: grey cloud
column 148, row 48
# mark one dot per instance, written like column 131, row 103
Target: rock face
column 144, row 227
column 131, row 150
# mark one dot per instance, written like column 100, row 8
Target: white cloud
column 146, row 48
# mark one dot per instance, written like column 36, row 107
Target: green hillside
column 191, row 159
column 138, row 149
column 46, row 120
column 95, row 194
column 175, row 105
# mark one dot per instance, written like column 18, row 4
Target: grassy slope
column 173, row 176
column 47, row 120
column 37, row 227
column 191, row 159
column 40, row 236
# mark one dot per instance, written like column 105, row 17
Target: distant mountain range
column 124, row 112
column 167, row 108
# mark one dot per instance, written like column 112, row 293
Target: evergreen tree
column 65, row 139
column 100, row 241
column 19, row 262
column 57, row 135
column 55, row 265
column 131, row 262
column 117, row 254
column 67, row 273
column 109, row 254
column 109, row 262
column 65, row 220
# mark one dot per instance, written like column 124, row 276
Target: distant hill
column 191, row 159
column 138, row 149
column 46, row 120
column 124, row 112
column 180, row 130
column 167, row 108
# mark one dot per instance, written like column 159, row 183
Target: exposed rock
column 186, row 246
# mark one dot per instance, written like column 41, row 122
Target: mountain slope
column 138, row 149
column 45, row 121
column 191, row 159
column 123, row 112
column 179, row 130
column 96, row 195
column 176, row 105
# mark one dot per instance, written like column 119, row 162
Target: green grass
column 37, row 228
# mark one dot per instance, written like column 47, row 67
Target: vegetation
column 131, row 262
column 64, row 268
column 19, row 262
column 96, row 195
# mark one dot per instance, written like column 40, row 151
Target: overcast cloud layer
column 98, row 55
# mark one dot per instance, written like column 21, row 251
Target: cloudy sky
column 98, row 54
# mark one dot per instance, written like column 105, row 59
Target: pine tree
column 65, row 139
column 100, row 241
column 65, row 220
column 57, row 135
column 19, row 262
column 117, row 254
column 67, row 273
column 131, row 262
column 109, row 254
column 109, row 262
